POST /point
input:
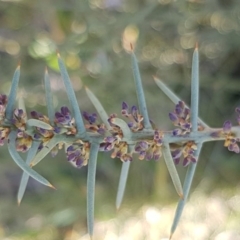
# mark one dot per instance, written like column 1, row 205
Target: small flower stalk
column 128, row 138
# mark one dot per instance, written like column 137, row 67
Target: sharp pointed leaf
column 186, row 188
column 72, row 98
column 122, row 183
column 24, row 180
column 172, row 169
column 92, row 164
column 140, row 93
column 19, row 161
column 195, row 91
column 12, row 95
column 49, row 98
column 101, row 111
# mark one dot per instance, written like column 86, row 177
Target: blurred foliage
column 94, row 37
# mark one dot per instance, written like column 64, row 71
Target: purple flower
column 3, row 103
column 78, row 153
column 187, row 151
column 150, row 149
column 136, row 119
column 3, row 134
column 91, row 118
column 227, row 125
column 181, row 118
column 176, row 155
column 124, row 109
column 23, row 141
column 64, row 117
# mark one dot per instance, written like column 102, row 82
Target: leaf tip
column 170, row 237
column 18, row 66
column 58, row 54
column 51, row 186
column 46, row 70
column 196, row 46
column 19, row 202
column 181, row 196
column 131, row 47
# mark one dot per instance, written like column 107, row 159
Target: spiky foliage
column 82, row 135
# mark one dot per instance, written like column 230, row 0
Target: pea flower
column 136, row 119
column 187, row 151
column 78, row 153
column 181, row 118
column 92, row 126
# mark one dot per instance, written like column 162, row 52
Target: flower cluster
column 4, row 131
column 78, row 153
column 230, row 139
column 3, row 103
column 150, row 149
column 23, row 140
column 92, row 126
column 42, row 134
column 64, row 122
column 113, row 142
column 187, row 151
column 181, row 118
column 136, row 119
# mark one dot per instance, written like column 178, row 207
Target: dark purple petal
column 65, row 111
column 92, row 118
column 101, row 131
column 227, row 126
column 176, row 161
column 176, row 153
column 124, row 109
column 185, row 162
column 110, row 139
column 173, row 117
column 124, row 106
column 237, row 110
column 234, row 148
column 79, row 162
column 57, row 129
column 179, row 107
column 70, row 148
column 35, row 114
column 215, row 134
column 177, row 132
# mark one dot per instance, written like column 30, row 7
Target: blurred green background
column 94, row 37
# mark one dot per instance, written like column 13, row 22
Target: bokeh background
column 94, row 37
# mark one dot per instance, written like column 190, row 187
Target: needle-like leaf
column 172, row 169
column 72, row 98
column 12, row 94
column 24, row 180
column 49, row 98
column 122, row 183
column 140, row 93
column 19, row 161
column 195, row 91
column 101, row 111
column 186, row 188
column 92, row 164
